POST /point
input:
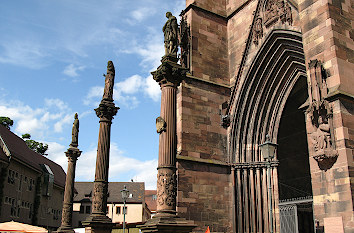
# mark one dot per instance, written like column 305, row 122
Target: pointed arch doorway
column 273, row 89
column 294, row 178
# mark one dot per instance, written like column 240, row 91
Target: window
column 125, row 210
column 130, row 195
column 88, row 209
column 11, row 177
column 117, row 209
column 154, row 197
column 20, row 183
column 48, row 180
column 81, row 209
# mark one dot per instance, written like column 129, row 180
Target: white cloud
column 72, row 70
column 121, row 168
column 37, row 121
column 142, row 13
column 23, row 53
column 152, row 88
column 150, row 48
column 125, row 91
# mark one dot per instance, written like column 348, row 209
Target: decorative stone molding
column 321, row 115
column 99, row 188
column 273, row 11
column 169, row 73
column 106, row 110
column 160, row 125
column 184, row 41
column 166, row 187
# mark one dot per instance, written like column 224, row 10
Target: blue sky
column 53, row 55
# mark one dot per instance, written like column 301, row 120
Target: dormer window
column 48, row 180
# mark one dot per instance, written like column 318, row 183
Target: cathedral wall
column 217, row 7
column 204, row 195
column 209, row 46
column 238, row 28
column 327, row 37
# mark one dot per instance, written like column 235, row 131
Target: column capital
column 106, row 110
column 169, row 73
column 73, row 153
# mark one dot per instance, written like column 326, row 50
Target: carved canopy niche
column 321, row 115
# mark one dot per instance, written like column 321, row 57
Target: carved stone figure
column 257, row 30
column 321, row 115
column 170, row 30
column 109, row 81
column 184, row 42
column 322, row 136
column 160, row 125
column 75, row 132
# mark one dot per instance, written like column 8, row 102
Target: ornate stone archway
column 256, row 111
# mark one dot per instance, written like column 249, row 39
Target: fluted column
column 72, row 154
column 169, row 75
column 98, row 220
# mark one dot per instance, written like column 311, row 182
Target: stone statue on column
column 72, row 153
column 170, row 31
column 169, row 75
column 98, row 220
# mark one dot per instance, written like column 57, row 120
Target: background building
column 150, row 200
column 31, row 185
column 136, row 209
column 282, row 68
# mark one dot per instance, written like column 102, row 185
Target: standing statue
column 75, row 132
column 170, row 31
column 109, row 82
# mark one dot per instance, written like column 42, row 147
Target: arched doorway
column 274, row 86
column 294, row 179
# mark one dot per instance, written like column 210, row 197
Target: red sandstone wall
column 327, row 36
column 216, row 6
column 209, row 47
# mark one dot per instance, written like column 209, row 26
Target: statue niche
column 321, row 115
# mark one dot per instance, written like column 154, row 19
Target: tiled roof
column 137, row 189
column 19, row 150
column 149, row 200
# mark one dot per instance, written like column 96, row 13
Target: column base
column 64, row 230
column 166, row 224
column 98, row 224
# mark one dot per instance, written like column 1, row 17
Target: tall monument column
column 98, row 220
column 72, row 153
column 169, row 75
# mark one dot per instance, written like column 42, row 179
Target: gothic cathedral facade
column 282, row 68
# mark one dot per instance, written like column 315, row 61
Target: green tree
column 6, row 121
column 38, row 147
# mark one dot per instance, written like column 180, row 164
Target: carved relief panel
column 272, row 12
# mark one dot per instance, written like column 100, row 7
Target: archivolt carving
column 273, row 11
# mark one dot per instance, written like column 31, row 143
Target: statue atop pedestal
column 75, row 132
column 170, row 31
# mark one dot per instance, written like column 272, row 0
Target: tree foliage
column 6, row 121
column 38, row 147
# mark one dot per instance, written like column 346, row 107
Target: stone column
column 72, row 153
column 169, row 75
column 98, row 220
